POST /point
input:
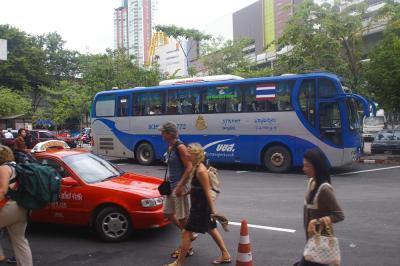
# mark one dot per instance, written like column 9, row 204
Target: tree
column 190, row 37
column 13, row 103
column 25, row 69
column 61, row 63
column 324, row 37
column 225, row 57
column 384, row 68
column 114, row 69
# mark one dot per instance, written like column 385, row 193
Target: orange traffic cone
column 244, row 257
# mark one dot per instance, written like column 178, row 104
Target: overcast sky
column 87, row 25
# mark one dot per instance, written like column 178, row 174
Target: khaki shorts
column 180, row 206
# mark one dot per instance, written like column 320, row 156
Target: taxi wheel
column 277, row 159
column 145, row 154
column 113, row 224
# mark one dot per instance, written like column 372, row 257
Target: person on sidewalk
column 320, row 204
column 13, row 217
column 177, row 205
column 202, row 209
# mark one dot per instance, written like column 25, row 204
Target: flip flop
column 175, row 254
column 221, row 261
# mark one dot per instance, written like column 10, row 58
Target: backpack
column 213, row 175
column 37, row 185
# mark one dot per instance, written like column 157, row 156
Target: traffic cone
column 244, row 257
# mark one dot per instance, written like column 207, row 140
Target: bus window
column 148, row 103
column 269, row 97
column 330, row 122
column 123, row 106
column 326, row 88
column 183, row 102
column 352, row 114
column 307, row 100
column 222, row 99
column 105, row 106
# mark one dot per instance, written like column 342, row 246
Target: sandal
column 222, row 261
column 176, row 253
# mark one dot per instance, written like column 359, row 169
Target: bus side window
column 185, row 101
column 222, row 99
column 326, row 88
column 105, row 106
column 123, row 106
column 148, row 103
column 307, row 100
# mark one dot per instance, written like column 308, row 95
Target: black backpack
column 37, row 185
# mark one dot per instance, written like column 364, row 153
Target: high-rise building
column 140, row 25
column 121, row 38
column 133, row 24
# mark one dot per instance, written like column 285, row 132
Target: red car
column 39, row 135
column 98, row 194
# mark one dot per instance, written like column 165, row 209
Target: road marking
column 370, row 170
column 121, row 164
column 265, row 227
column 241, row 172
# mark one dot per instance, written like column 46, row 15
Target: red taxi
column 97, row 193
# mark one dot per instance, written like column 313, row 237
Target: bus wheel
column 145, row 154
column 277, row 159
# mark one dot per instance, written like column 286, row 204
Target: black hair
column 20, row 131
column 322, row 170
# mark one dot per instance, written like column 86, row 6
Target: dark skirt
column 200, row 214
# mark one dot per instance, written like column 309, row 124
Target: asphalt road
column 370, row 234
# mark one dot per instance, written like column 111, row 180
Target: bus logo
column 226, row 147
column 201, row 123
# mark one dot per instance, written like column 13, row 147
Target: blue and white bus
column 269, row 121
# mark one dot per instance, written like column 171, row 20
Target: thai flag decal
column 265, row 92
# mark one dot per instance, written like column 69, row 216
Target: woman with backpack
column 202, row 212
column 320, row 206
column 13, row 217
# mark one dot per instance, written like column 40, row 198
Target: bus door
column 330, row 113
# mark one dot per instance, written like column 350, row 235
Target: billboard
column 3, row 49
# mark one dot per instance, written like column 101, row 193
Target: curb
column 372, row 161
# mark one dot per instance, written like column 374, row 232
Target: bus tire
column 277, row 159
column 145, row 154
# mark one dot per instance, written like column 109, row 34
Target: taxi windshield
column 92, row 169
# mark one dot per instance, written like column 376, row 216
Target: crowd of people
column 190, row 206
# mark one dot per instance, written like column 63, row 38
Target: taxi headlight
column 148, row 203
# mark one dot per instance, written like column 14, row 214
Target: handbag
column 165, row 187
column 323, row 249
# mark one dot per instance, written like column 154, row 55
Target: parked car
column 98, row 194
column 371, row 126
column 386, row 141
column 44, row 135
column 8, row 142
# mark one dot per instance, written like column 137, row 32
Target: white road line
column 265, row 227
column 241, row 172
column 121, row 164
column 370, row 170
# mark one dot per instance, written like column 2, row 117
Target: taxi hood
column 145, row 186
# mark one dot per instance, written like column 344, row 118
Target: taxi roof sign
column 43, row 146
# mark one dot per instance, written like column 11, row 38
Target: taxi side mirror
column 69, row 181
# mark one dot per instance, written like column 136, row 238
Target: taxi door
column 70, row 207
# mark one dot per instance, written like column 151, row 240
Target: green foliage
column 114, row 69
column 324, row 38
column 384, row 68
column 13, row 103
column 192, row 37
column 225, row 57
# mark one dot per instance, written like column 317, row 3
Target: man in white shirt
column 8, row 135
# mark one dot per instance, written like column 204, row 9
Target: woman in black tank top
column 202, row 208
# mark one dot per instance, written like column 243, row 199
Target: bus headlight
column 148, row 203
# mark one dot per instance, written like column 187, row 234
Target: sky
column 87, row 25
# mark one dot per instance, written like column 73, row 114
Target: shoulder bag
column 323, row 249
